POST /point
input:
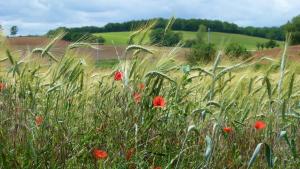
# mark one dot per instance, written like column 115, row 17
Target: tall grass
column 81, row 112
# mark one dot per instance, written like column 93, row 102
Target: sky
column 36, row 17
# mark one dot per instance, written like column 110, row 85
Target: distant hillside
column 276, row 33
column 121, row 38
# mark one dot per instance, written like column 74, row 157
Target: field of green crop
column 148, row 111
column 220, row 39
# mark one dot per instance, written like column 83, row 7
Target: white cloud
column 38, row 16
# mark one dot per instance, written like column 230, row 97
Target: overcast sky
column 38, row 16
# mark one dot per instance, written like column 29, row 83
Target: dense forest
column 276, row 33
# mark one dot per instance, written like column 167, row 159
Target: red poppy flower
column 159, row 101
column 130, row 153
column 142, row 86
column 99, row 154
column 137, row 97
column 2, row 86
column 39, row 120
column 157, row 167
column 118, row 75
column 227, row 129
column 260, row 125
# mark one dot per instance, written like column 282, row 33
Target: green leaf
column 283, row 64
column 290, row 91
column 282, row 134
column 186, row 69
column 254, row 155
column 4, row 59
column 208, row 150
column 213, row 103
column 169, row 25
column 269, row 88
column 138, row 47
column 202, row 71
column 269, row 156
column 268, row 153
column 283, row 109
column 159, row 74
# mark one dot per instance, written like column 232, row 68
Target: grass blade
column 254, row 155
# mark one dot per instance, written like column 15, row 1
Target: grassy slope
column 221, row 39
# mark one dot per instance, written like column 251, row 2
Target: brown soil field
column 22, row 45
column 293, row 53
column 26, row 44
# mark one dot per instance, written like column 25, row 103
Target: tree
column 73, row 35
column 172, row 38
column 13, row 30
column 262, row 46
column 156, row 36
column 258, row 46
column 236, row 50
column 271, row 44
column 202, row 52
column 53, row 33
column 199, row 36
column 189, row 43
column 159, row 37
column 293, row 27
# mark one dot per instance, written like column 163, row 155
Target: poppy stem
column 101, row 164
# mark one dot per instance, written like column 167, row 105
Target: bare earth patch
column 23, row 44
column 293, row 53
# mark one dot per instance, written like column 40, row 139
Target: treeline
column 276, row 33
column 293, row 27
column 73, row 36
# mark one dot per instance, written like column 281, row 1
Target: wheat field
column 149, row 111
